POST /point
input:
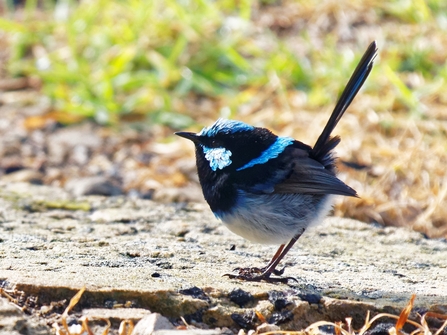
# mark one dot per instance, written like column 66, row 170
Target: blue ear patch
column 223, row 126
column 271, row 152
column 219, row 158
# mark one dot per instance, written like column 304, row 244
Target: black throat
column 218, row 191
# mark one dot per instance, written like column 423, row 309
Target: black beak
column 190, row 136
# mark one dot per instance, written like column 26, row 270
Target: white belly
column 275, row 218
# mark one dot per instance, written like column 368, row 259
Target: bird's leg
column 273, row 260
column 271, row 267
column 254, row 270
column 256, row 274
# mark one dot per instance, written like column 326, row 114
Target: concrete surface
column 170, row 258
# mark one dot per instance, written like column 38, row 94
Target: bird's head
column 230, row 145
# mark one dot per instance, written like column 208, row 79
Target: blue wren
column 267, row 188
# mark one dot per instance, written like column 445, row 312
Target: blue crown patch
column 223, row 126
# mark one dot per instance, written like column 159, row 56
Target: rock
column 14, row 322
column 174, row 194
column 62, row 143
column 118, row 215
column 25, row 175
column 151, row 323
column 240, row 297
column 116, row 314
column 190, row 332
column 92, row 186
column 266, row 327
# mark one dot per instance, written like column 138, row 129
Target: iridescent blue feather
column 272, row 152
column 223, row 126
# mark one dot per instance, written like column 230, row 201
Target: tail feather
column 325, row 143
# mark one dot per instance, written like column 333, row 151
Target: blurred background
column 92, row 91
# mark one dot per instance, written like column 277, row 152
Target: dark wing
column 313, row 180
column 308, row 176
column 298, row 173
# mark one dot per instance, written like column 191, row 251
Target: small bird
column 267, row 188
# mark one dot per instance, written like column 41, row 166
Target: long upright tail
column 325, row 143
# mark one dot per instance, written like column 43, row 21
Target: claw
column 279, row 272
column 249, row 270
column 258, row 275
column 260, row 278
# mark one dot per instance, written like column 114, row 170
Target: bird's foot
column 259, row 274
column 255, row 270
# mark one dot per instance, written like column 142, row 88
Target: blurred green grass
column 111, row 58
column 106, row 59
